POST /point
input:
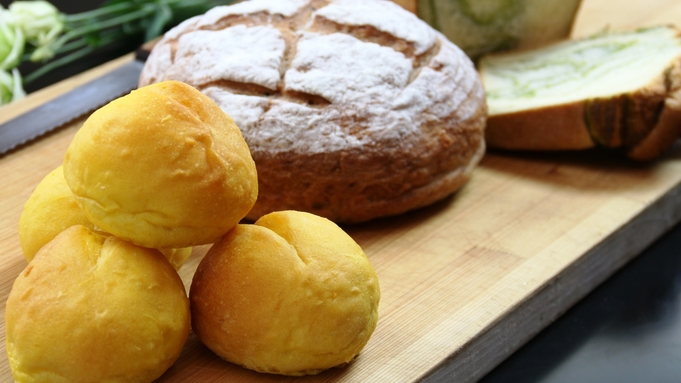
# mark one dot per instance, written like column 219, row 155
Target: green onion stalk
column 37, row 32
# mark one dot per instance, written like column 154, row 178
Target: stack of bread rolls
column 147, row 177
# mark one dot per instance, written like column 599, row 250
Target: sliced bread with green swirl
column 616, row 90
column 485, row 26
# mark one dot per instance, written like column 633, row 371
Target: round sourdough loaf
column 352, row 109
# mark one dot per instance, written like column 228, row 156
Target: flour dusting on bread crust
column 382, row 16
column 249, row 55
column 353, row 109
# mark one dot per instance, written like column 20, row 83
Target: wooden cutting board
column 464, row 282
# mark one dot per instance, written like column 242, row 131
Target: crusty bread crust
column 668, row 127
column 356, row 186
column 352, row 110
column 559, row 127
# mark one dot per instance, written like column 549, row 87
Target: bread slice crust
column 643, row 122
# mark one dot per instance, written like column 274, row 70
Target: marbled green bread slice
column 485, row 26
column 618, row 90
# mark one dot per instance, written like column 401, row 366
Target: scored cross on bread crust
column 352, row 109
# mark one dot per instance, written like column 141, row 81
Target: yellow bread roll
column 52, row 208
column 94, row 308
column 163, row 167
column 49, row 210
column 292, row 294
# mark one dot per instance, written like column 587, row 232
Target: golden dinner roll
column 163, row 167
column 94, row 308
column 49, row 210
column 292, row 294
column 52, row 208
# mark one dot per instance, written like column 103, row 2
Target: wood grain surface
column 464, row 282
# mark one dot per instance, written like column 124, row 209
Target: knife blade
column 71, row 105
